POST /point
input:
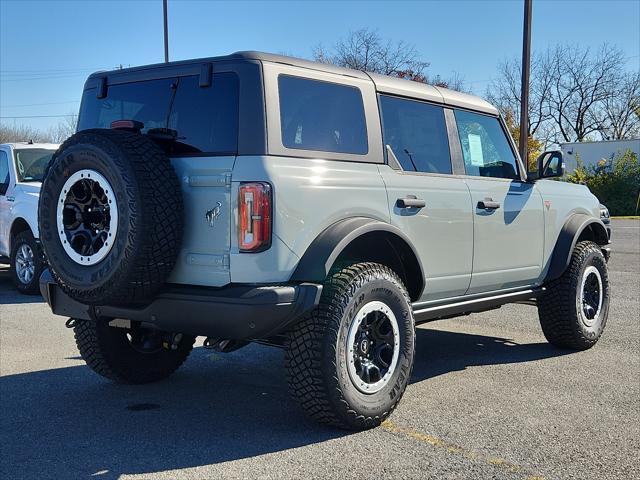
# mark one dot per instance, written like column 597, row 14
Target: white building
column 592, row 152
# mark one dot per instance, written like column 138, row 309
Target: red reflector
column 133, row 125
column 254, row 216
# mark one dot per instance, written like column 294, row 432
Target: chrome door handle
column 410, row 202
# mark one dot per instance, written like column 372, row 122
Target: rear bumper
column 232, row 312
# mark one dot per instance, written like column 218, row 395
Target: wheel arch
column 362, row 239
column 19, row 225
column 577, row 228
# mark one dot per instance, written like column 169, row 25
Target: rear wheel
column 573, row 312
column 136, row 355
column 27, row 263
column 349, row 362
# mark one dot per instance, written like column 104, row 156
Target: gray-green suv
column 256, row 197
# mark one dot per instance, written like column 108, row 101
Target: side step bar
column 424, row 314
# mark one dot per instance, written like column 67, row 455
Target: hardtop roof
column 383, row 83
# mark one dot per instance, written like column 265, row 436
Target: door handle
column 410, row 202
column 488, row 204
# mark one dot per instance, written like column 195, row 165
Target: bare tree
column 581, row 84
column 24, row 133
column 21, row 133
column 63, row 129
column 576, row 94
column 621, row 111
column 504, row 92
column 366, row 50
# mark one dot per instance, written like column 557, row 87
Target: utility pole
column 166, row 31
column 524, row 91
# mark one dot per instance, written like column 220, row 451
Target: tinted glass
column 485, row 147
column 4, row 168
column 203, row 120
column 31, row 163
column 321, row 116
column 417, row 134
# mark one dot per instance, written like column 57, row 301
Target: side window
column 485, row 147
column 322, row 116
column 417, row 134
column 4, row 172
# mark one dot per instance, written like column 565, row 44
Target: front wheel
column 573, row 311
column 27, row 263
column 349, row 362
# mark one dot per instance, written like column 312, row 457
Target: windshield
column 31, row 163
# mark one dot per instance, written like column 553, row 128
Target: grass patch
column 627, row 217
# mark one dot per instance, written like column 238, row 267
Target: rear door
column 508, row 219
column 196, row 123
column 441, row 225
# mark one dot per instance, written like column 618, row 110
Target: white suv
column 22, row 167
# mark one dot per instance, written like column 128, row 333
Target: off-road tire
column 559, row 309
column 315, row 356
column 150, row 217
column 26, row 238
column 108, row 352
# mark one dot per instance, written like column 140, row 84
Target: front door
column 426, row 201
column 5, row 204
column 508, row 223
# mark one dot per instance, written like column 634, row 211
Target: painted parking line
column 452, row 449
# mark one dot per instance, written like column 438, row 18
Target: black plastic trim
column 206, row 71
column 315, row 264
column 463, row 307
column 455, row 149
column 238, row 312
column 571, row 231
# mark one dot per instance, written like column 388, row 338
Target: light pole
column 166, row 31
column 524, row 91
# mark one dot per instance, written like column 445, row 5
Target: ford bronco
column 261, row 198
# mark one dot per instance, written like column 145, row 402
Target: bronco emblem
column 212, row 214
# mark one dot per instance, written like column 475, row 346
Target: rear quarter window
column 204, row 120
column 321, row 116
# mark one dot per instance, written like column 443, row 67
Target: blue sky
column 47, row 48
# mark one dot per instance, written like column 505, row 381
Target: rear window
column 321, row 116
column 31, row 163
column 202, row 120
column 417, row 134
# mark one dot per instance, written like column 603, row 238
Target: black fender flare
column 315, row 264
column 575, row 225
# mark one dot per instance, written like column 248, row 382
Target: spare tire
column 110, row 217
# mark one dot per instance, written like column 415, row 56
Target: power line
column 40, row 116
column 52, row 70
column 44, row 78
column 38, row 104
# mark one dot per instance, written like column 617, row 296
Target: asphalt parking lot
column 489, row 399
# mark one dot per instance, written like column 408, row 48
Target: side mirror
column 3, row 188
column 550, row 164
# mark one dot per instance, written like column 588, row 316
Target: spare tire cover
column 110, row 217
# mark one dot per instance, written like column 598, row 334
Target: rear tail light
column 254, row 216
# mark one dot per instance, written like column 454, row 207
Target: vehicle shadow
column 70, row 423
column 8, row 293
column 439, row 352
